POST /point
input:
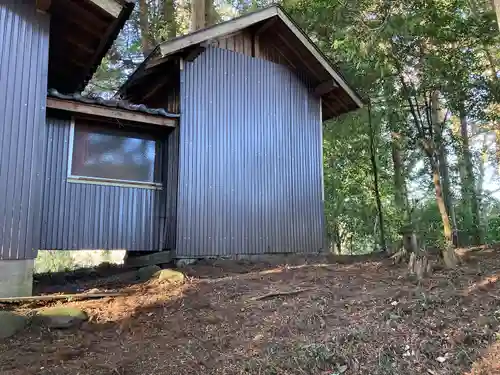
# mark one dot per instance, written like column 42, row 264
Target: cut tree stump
column 450, row 258
column 419, row 265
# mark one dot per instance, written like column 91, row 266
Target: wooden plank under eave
column 214, row 32
column 320, row 58
column 325, row 87
column 116, row 113
column 109, row 6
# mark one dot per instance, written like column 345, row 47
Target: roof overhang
column 81, row 33
column 96, row 110
column 237, row 24
column 270, row 24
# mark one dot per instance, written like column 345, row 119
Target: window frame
column 73, row 178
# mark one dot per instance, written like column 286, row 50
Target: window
column 102, row 153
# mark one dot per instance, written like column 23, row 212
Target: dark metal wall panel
column 88, row 216
column 24, row 44
column 170, row 175
column 250, row 179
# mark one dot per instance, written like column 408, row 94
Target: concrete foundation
column 16, row 278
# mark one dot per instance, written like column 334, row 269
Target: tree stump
column 410, row 241
column 419, row 265
column 408, row 245
column 450, row 258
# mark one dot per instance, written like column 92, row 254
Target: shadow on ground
column 359, row 318
column 104, row 276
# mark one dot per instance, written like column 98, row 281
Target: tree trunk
column 147, row 44
column 468, row 182
column 497, row 149
column 399, row 179
column 448, row 198
column 210, row 14
column 437, row 124
column 198, row 14
column 496, row 6
column 441, row 203
column 373, row 158
column 169, row 18
column 482, row 165
column 449, row 256
column 428, row 146
column 337, row 239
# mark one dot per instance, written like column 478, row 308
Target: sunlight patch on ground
column 485, row 284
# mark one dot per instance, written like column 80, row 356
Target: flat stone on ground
column 185, row 262
column 170, row 276
column 145, row 273
column 61, row 317
column 10, row 324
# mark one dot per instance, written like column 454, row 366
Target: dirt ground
column 361, row 318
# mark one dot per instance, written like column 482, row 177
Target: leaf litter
column 350, row 318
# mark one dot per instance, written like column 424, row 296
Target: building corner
column 16, row 277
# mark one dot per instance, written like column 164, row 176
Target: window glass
column 112, row 154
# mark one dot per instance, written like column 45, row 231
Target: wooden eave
column 270, row 26
column 81, row 33
column 114, row 113
column 291, row 35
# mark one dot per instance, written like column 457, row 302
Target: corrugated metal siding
column 250, row 159
column 170, row 177
column 87, row 216
column 24, row 44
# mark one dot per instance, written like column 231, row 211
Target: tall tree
column 438, row 120
column 170, row 23
column 375, row 170
column 198, row 14
column 202, row 14
column 147, row 40
column 468, row 184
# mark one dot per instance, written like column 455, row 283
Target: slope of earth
column 362, row 318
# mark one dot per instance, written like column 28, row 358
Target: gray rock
column 60, row 317
column 170, row 276
column 10, row 324
column 145, row 273
column 185, row 262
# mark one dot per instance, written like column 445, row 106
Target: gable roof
column 81, row 33
column 272, row 25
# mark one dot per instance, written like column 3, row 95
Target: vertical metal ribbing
column 249, row 159
column 24, row 48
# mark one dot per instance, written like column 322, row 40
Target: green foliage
column 391, row 51
column 445, row 45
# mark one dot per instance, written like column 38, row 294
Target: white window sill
column 111, row 182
